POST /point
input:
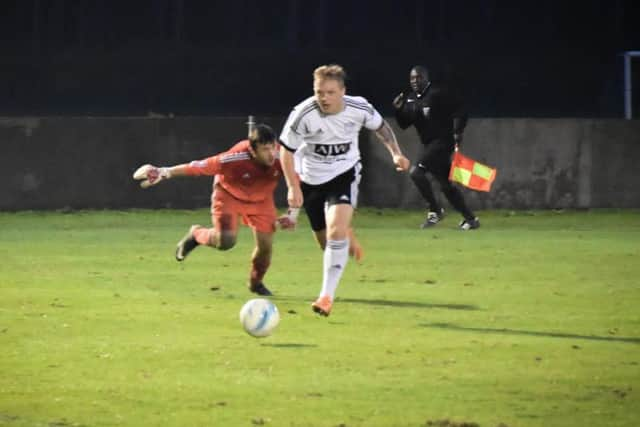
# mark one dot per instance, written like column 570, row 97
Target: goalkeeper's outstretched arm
column 150, row 175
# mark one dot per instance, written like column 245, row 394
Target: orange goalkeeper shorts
column 225, row 209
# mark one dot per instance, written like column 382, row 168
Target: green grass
column 532, row 320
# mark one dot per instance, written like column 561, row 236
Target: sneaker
column 322, row 305
column 469, row 224
column 260, row 289
column 432, row 218
column 187, row 244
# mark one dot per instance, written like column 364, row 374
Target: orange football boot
column 322, row 305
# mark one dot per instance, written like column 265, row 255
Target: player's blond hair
column 330, row 72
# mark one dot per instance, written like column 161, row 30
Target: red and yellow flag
column 470, row 173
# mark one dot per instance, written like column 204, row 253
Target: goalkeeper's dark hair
column 262, row 134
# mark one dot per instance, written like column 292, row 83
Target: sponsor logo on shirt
column 331, row 149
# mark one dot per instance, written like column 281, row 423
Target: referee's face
column 329, row 95
column 418, row 79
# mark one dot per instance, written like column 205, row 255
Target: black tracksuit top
column 436, row 113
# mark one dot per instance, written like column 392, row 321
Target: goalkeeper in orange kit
column 246, row 177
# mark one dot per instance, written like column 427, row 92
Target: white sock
column 336, row 255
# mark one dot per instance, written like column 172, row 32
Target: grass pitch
column 532, row 320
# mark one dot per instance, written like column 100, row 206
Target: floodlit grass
column 532, row 320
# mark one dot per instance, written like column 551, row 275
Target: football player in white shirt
column 321, row 163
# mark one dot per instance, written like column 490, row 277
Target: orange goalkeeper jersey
column 237, row 173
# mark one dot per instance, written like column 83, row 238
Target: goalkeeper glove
column 151, row 175
column 289, row 220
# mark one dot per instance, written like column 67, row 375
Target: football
column 259, row 317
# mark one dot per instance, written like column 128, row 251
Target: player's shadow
column 505, row 331
column 412, row 304
column 288, row 345
column 385, row 303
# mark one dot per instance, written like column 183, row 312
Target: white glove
column 151, row 175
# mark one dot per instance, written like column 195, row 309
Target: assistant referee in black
column 437, row 114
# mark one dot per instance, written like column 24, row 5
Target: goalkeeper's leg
column 222, row 236
column 260, row 262
column 187, row 243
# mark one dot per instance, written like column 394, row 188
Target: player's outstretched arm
column 388, row 138
column 150, row 175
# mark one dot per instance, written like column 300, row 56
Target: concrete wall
column 87, row 162
column 542, row 163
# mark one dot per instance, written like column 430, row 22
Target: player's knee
column 264, row 251
column 417, row 173
column 226, row 242
column 337, row 232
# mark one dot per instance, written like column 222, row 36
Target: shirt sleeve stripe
column 360, row 106
column 234, row 157
column 286, row 147
column 304, row 112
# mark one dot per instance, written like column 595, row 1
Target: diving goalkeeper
column 246, row 177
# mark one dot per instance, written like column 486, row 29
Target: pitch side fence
column 87, row 162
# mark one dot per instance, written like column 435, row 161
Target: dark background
column 228, row 58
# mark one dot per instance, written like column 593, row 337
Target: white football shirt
column 326, row 145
